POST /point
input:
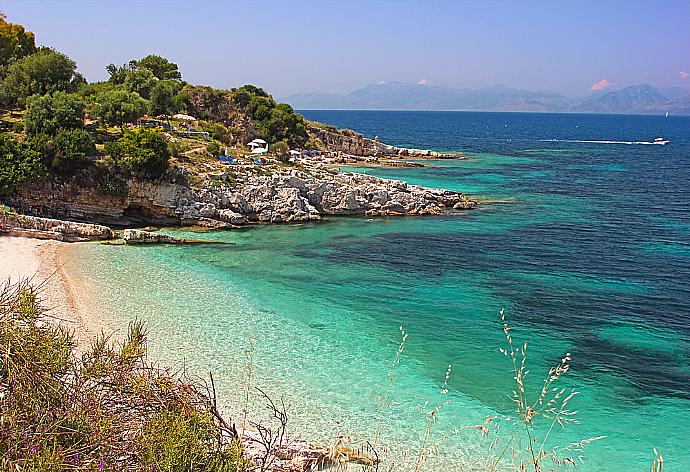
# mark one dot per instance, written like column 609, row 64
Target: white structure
column 256, row 146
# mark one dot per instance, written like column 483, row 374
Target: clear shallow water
column 586, row 245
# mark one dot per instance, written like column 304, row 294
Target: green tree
column 65, row 148
column 15, row 42
column 19, row 165
column 72, row 145
column 44, row 72
column 140, row 81
column 164, row 98
column 117, row 107
column 119, row 73
column 141, row 150
column 162, row 68
column 48, row 113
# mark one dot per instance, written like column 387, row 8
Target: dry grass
column 105, row 410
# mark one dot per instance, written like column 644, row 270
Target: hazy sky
column 290, row 46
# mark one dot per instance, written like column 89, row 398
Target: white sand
column 39, row 261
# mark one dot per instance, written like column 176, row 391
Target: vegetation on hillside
column 53, row 122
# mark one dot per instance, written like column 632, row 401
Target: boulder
column 135, row 236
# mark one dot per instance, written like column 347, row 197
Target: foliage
column 117, row 107
column 15, row 42
column 164, row 98
column 217, row 131
column 105, row 409
column 112, row 185
column 161, row 68
column 281, row 150
column 142, row 150
column 72, row 145
column 209, row 103
column 45, row 71
column 48, row 113
column 271, row 121
column 19, row 165
column 119, row 73
column 140, row 81
column 213, row 148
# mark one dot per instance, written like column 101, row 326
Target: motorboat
column 661, row 141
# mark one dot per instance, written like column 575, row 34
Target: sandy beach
column 41, row 262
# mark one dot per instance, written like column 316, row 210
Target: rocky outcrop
column 13, row 224
column 354, row 144
column 136, row 236
column 302, row 196
column 275, row 196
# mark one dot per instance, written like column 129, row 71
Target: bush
column 218, row 131
column 19, row 165
column 73, row 145
column 48, row 113
column 67, row 147
column 213, row 148
column 141, row 150
column 282, row 151
column 103, row 409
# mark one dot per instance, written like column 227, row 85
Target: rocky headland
column 228, row 197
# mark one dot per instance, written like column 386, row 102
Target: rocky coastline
column 225, row 198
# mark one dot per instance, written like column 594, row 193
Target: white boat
column 660, row 141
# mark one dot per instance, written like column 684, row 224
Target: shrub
column 218, row 131
column 19, row 165
column 281, row 150
column 67, row 147
column 73, row 144
column 141, row 150
column 213, row 148
column 105, row 409
column 48, row 113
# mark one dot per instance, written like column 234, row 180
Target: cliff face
column 225, row 198
column 81, row 199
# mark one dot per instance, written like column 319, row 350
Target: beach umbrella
column 182, row 116
column 252, row 144
column 294, row 153
column 259, row 141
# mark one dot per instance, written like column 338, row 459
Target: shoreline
column 42, row 263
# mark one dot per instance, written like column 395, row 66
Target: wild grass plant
column 106, row 409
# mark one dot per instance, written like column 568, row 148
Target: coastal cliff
column 231, row 198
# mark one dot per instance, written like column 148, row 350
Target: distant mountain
column 405, row 96
column 633, row 99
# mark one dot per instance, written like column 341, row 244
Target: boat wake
column 595, row 141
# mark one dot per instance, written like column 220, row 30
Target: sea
column 582, row 237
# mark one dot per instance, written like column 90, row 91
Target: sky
column 290, row 46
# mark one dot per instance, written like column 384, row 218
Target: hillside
column 148, row 148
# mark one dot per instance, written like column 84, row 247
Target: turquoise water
column 585, row 245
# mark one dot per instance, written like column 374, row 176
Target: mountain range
column 404, row 96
